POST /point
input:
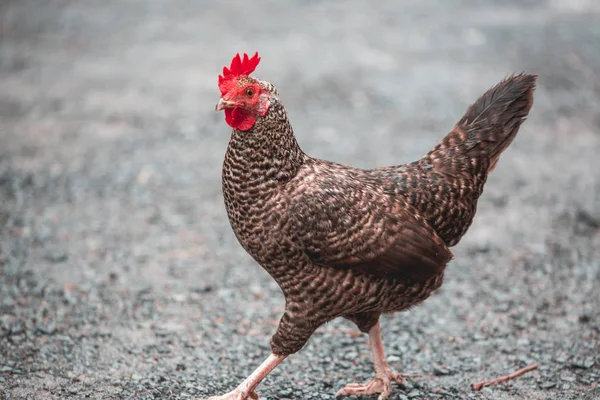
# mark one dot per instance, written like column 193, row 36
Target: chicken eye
column 249, row 92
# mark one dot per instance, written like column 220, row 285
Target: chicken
column 347, row 242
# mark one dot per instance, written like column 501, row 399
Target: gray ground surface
column 120, row 276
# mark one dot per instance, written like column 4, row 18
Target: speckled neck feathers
column 257, row 162
column 266, row 154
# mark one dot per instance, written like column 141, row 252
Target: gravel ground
column 120, row 276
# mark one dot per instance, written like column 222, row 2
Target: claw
column 245, row 391
column 383, row 373
column 380, row 384
column 235, row 395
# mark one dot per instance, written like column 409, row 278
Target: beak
column 223, row 104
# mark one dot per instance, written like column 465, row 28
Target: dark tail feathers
column 492, row 122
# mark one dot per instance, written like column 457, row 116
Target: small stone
column 521, row 323
column 57, row 257
column 584, row 318
column 414, row 394
column 547, row 385
column 343, row 364
column 47, row 329
column 16, row 328
column 179, row 297
column 439, row 370
column 584, row 380
column 583, row 363
column 562, row 358
column 567, row 378
column 392, row 359
column 163, row 349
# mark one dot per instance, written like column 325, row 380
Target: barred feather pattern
column 446, row 183
column 341, row 241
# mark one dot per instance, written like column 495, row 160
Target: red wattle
column 238, row 119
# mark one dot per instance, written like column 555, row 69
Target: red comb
column 240, row 67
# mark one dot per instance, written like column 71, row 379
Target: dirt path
column 120, row 276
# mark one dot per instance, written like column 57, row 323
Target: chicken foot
column 383, row 373
column 245, row 390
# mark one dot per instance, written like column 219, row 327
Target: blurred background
column 120, row 276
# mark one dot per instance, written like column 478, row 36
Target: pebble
column 583, row 362
column 562, row 358
column 57, row 257
column 47, row 329
column 439, row 370
column 584, row 318
column 584, row 380
column 16, row 328
column 547, row 385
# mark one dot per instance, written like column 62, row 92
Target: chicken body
column 352, row 243
column 336, row 242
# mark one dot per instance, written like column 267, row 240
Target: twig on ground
column 516, row 374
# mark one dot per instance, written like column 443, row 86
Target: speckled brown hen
column 346, row 242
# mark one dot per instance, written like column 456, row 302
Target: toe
column 352, row 386
column 349, row 390
column 396, row 377
column 352, row 389
column 235, row 395
column 377, row 385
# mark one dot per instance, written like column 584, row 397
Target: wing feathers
column 360, row 228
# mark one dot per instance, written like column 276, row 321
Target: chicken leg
column 245, row 390
column 383, row 373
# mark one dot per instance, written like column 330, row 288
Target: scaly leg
column 294, row 329
column 383, row 374
column 245, row 390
